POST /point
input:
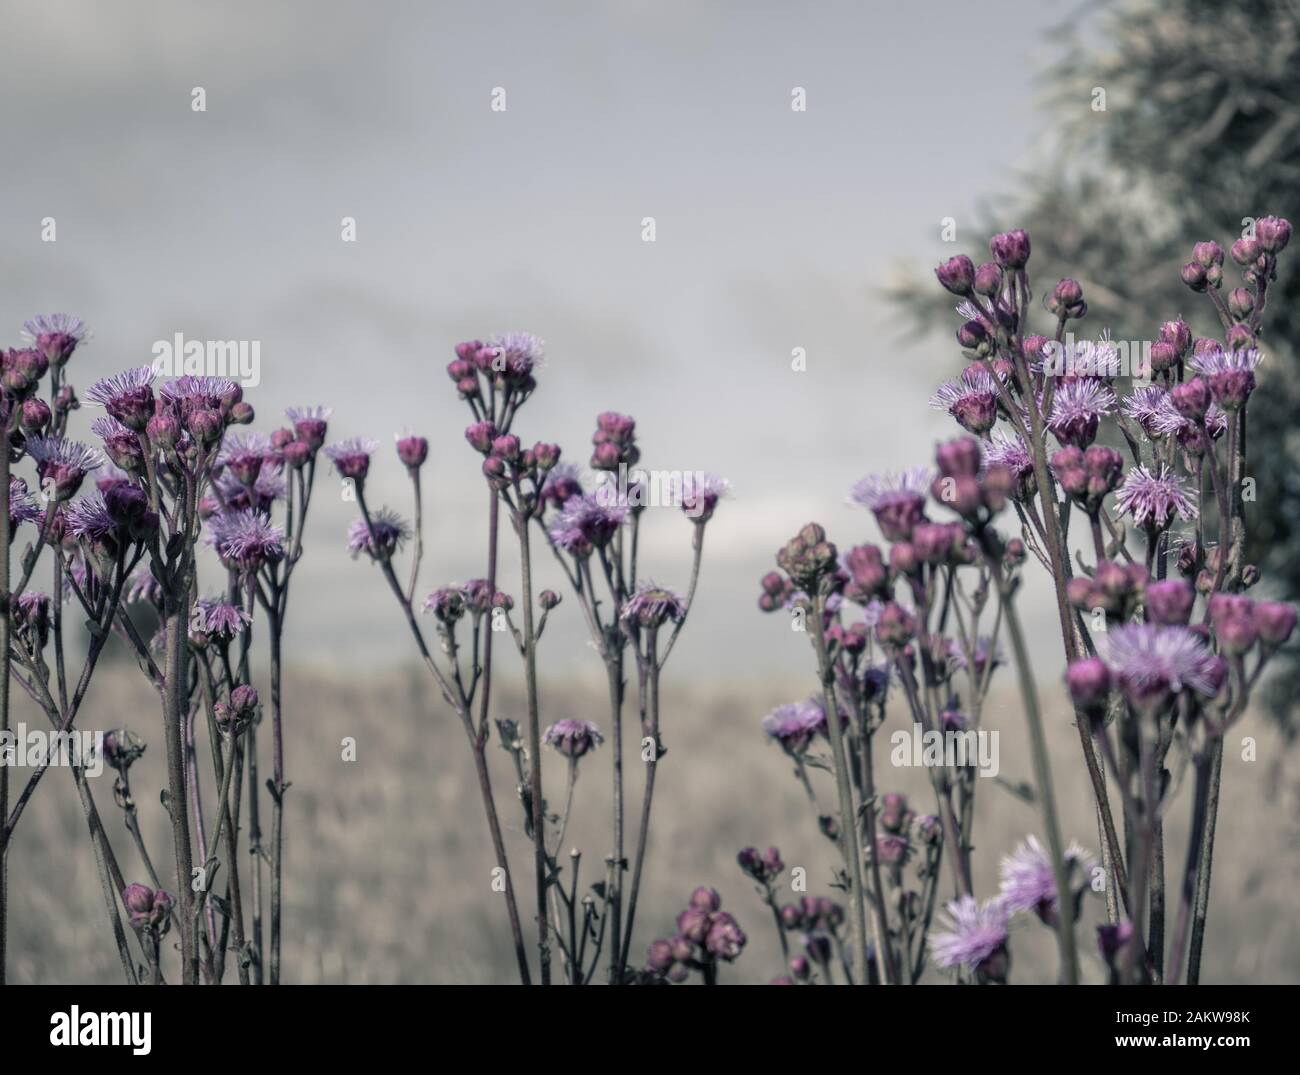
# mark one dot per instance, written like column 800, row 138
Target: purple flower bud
column 1274, row 622
column 1240, row 303
column 973, row 336
column 506, row 448
column 1245, row 251
column 1068, row 292
column 1273, row 233
column 1207, row 254
column 960, row 457
column 1192, row 398
column 1193, row 275
column 957, row 274
column 1011, row 249
column 1089, row 683
column 1169, row 602
column 480, row 436
column 706, row 899
column 1233, row 617
column 573, row 738
column 413, row 451
column 988, row 279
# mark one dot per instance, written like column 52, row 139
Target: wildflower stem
column 176, row 620
column 276, row 632
column 652, row 665
column 534, row 743
column 1042, row 777
column 850, row 844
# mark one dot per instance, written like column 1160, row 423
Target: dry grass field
column 387, row 864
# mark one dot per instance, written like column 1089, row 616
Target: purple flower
column 242, row 454
column 973, row 933
column 652, row 605
column 517, row 353
column 351, row 457
column 121, row 444
column 573, row 738
column 1144, row 404
column 187, row 394
column 1150, row 661
column 88, row 517
column 56, row 336
column 561, row 484
column 220, row 618
column 698, row 494
column 127, row 396
column 447, row 603
column 62, row 464
column 795, row 725
column 1010, row 453
column 1028, row 882
column 972, row 399
column 1077, row 410
column 1231, row 374
column 386, row 533
column 247, row 539
column 147, row 909
column 269, row 487
column 897, row 500
column 22, row 508
column 1154, row 499
column 725, row 938
column 309, row 424
column 586, row 522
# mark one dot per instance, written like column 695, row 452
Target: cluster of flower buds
column 966, row 485
column 808, row 558
column 475, row 598
column 1240, row 622
column 148, row 910
column 505, row 365
column 1116, row 589
column 1257, row 257
column 233, row 716
column 1087, row 476
column 706, row 935
column 764, row 867
column 614, row 442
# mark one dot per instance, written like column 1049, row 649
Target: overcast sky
column 773, row 229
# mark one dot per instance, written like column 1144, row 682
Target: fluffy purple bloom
column 1154, row 499
column 586, row 522
column 518, row 353
column 269, row 487
column 247, row 539
column 1010, row 453
column 387, row 533
column 1144, row 404
column 242, row 454
column 309, row 424
column 88, row 517
column 652, row 605
column 561, row 484
column 1027, row 880
column 972, row 933
column 127, row 396
column 897, row 500
column 698, row 495
column 62, row 464
column 1077, row 410
column 573, row 738
column 189, row 393
column 972, row 399
column 1151, row 661
column 22, row 507
column 219, row 617
column 1231, row 374
column 796, row 724
column 351, row 457
column 56, row 336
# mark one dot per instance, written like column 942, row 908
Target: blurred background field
column 388, row 862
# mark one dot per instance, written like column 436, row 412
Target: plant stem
column 534, row 745
column 850, row 844
column 176, row 622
